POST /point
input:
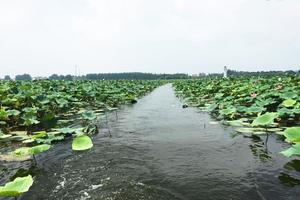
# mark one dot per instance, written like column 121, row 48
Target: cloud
column 45, row 37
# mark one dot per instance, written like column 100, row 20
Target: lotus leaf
column 265, row 119
column 289, row 103
column 294, row 150
column 16, row 187
column 292, row 134
column 25, row 151
column 82, row 143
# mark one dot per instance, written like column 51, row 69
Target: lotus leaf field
column 256, row 105
column 36, row 114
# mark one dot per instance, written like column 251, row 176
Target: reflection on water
column 288, row 180
column 259, row 148
column 291, row 177
column 157, row 150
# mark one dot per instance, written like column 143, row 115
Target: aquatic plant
column 256, row 105
column 16, row 187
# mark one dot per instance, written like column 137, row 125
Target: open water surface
column 156, row 150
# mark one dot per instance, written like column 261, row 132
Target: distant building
column 225, row 72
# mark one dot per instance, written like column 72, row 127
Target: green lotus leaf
column 289, row 95
column 39, row 134
column 30, row 110
column 89, row 115
column 292, row 134
column 13, row 112
column 228, row 111
column 285, row 111
column 52, row 136
column 294, row 150
column 82, row 142
column 265, row 119
column 3, row 114
column 16, row 187
column 40, row 148
column 254, row 109
column 211, row 107
column 289, row 102
column 65, row 130
column 25, row 151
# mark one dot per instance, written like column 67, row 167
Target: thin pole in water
column 34, row 160
column 116, row 114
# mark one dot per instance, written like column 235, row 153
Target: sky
column 42, row 37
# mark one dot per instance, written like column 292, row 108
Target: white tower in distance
column 225, row 72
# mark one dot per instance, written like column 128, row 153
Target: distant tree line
column 105, row 76
column 262, row 73
column 135, row 76
column 150, row 76
column 257, row 73
column 120, row 76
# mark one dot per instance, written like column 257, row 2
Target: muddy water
column 158, row 151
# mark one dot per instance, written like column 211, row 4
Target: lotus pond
column 238, row 139
column 258, row 106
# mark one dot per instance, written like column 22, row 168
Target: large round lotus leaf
column 292, row 134
column 89, row 115
column 16, row 187
column 265, row 119
column 25, row 151
column 254, row 109
column 289, row 102
column 39, row 134
column 13, row 112
column 228, row 111
column 294, row 150
column 40, row 148
column 82, row 142
column 289, row 95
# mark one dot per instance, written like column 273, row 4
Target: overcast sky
column 42, row 37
